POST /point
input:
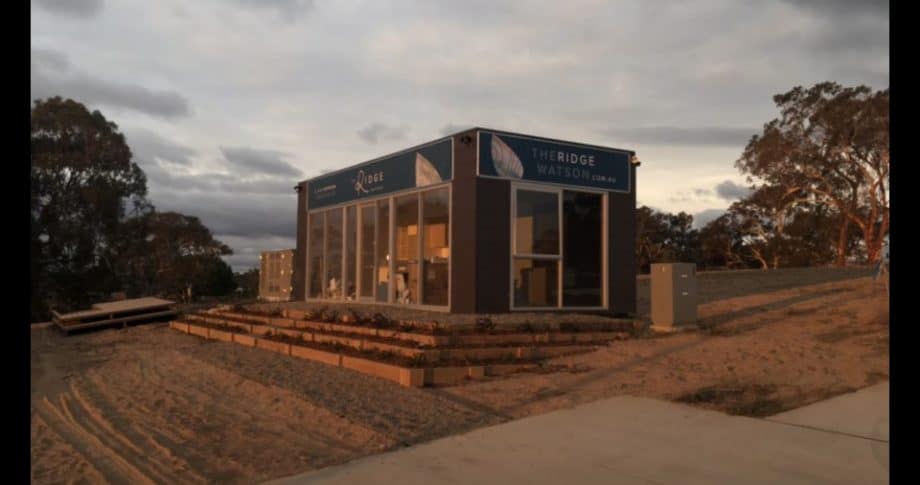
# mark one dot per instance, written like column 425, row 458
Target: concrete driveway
column 628, row 440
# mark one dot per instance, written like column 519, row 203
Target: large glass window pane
column 407, row 257
column 537, row 223
column 435, row 233
column 582, row 249
column 536, row 282
column 316, row 254
column 333, row 282
column 368, row 238
column 351, row 254
column 383, row 250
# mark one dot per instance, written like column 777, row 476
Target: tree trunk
column 873, row 242
column 842, row 244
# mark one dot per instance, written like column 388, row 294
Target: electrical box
column 673, row 293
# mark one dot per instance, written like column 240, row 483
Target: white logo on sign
column 365, row 180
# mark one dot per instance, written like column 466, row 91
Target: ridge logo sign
column 509, row 156
column 419, row 167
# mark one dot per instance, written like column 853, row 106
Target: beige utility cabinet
column 673, row 292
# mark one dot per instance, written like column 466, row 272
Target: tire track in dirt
column 58, row 460
column 159, row 459
column 199, row 393
column 111, row 465
column 89, row 417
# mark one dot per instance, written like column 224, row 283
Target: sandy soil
column 151, row 405
column 760, row 355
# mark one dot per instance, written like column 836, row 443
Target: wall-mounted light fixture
column 466, row 139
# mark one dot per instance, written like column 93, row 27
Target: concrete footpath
column 628, row 440
column 863, row 413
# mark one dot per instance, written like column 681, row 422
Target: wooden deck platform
column 114, row 312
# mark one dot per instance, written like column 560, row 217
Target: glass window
column 539, row 269
column 536, row 282
column 351, row 255
column 537, row 223
column 333, row 281
column 435, row 234
column 582, row 249
column 368, row 239
column 316, row 223
column 407, row 234
column 383, row 250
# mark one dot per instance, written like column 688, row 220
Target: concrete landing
column 632, row 440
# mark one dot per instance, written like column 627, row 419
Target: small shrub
column 568, row 327
column 526, row 327
column 485, row 325
column 379, row 320
column 314, row 314
column 329, row 316
column 349, row 317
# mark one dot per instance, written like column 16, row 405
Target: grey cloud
column 149, row 147
column 451, row 128
column 73, row 8
column 376, row 132
column 844, row 8
column 674, row 135
column 860, row 75
column 235, row 215
column 91, row 91
column 729, row 190
column 247, row 249
column 49, row 59
column 287, row 8
column 218, row 183
column 702, row 192
column 700, row 219
column 267, row 162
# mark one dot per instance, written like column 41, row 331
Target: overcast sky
column 227, row 104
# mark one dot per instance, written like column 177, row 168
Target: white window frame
column 557, row 189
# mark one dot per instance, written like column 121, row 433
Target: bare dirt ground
column 151, row 405
column 757, row 356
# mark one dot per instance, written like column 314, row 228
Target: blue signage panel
column 516, row 157
column 427, row 165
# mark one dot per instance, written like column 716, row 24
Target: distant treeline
column 819, row 192
column 93, row 231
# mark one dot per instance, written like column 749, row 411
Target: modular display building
column 481, row 221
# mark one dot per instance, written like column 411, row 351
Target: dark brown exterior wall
column 463, row 232
column 493, row 246
column 300, row 252
column 621, row 250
